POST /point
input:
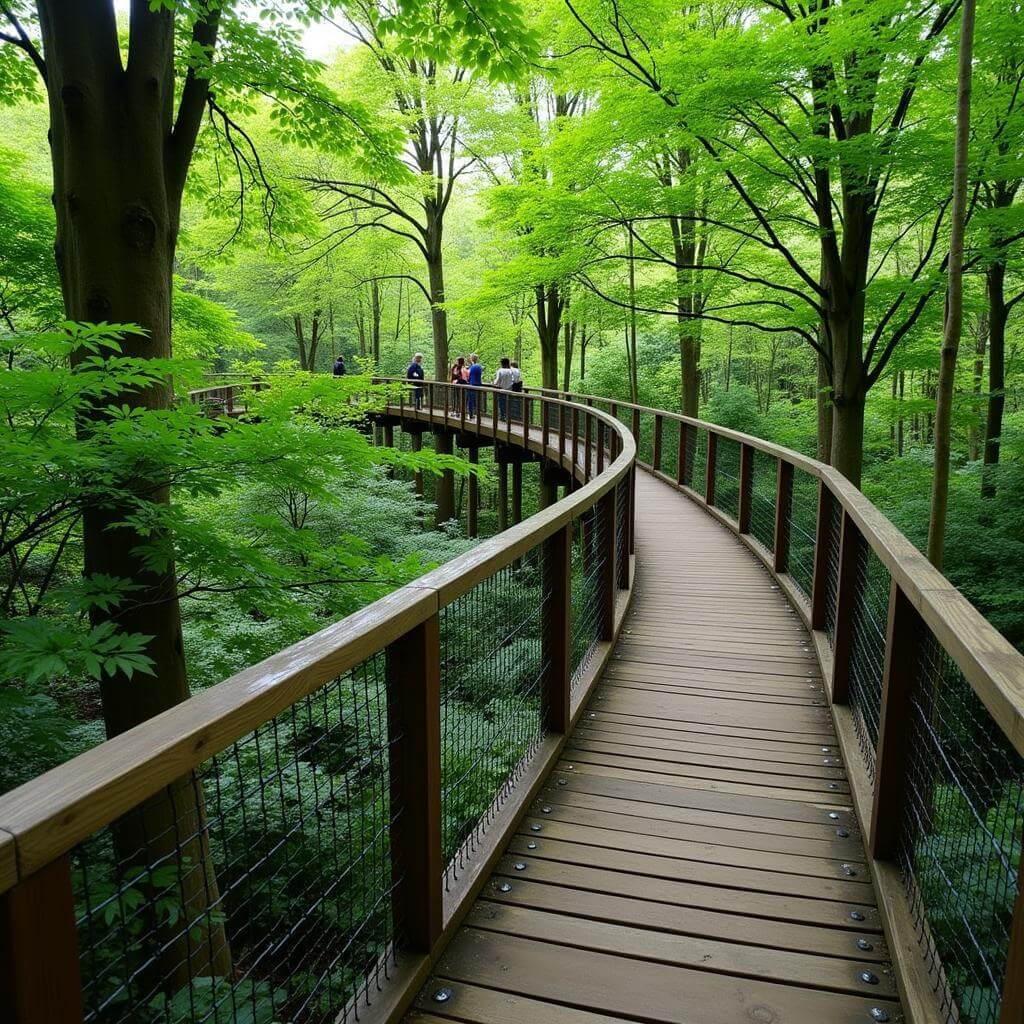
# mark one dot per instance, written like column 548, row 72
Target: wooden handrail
column 46, row 817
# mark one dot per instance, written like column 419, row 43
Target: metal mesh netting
column 867, row 647
column 257, row 888
column 492, row 667
column 960, row 841
column 762, row 498
column 835, row 525
column 645, row 438
column 588, row 560
column 696, row 459
column 727, row 476
column 669, row 447
column 621, row 526
column 802, row 525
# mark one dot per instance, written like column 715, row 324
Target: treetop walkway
column 724, row 748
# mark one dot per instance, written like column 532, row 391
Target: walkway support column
column 416, row 443
column 446, row 485
column 502, row 496
column 517, row 492
column 556, row 612
column 414, row 722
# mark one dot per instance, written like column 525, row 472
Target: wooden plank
column 667, row 917
column 771, row 906
column 706, row 850
column 476, row 1005
column 610, row 984
column 700, row 872
column 762, row 963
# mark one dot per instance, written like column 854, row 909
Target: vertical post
column 850, row 542
column 1012, row 1009
column 605, row 525
column 709, row 474
column 746, row 487
column 389, row 435
column 682, row 456
column 783, row 515
column 656, row 455
column 903, row 637
column 414, row 718
column 631, row 511
column 588, row 450
column 40, row 978
column 561, row 431
column 575, row 424
column 545, row 424
column 600, row 447
column 557, row 598
column 474, row 493
column 517, row 492
column 444, row 493
column 623, row 566
column 819, row 586
column 634, row 426
column 231, row 399
column 502, row 496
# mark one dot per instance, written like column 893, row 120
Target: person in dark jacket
column 339, row 366
column 415, row 373
column 476, row 379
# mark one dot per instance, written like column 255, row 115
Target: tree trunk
column 300, row 340
column 995, row 279
column 634, row 385
column 900, row 422
column 728, row 361
column 849, row 393
column 549, row 306
column 375, row 320
column 980, row 344
column 116, row 195
column 583, row 352
column 954, row 305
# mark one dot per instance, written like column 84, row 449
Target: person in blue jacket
column 476, row 379
column 415, row 373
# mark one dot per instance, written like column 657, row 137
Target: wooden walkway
column 694, row 858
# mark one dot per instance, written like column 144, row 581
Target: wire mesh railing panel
column 695, row 469
column 645, row 438
column 588, row 561
column 868, row 620
column 622, row 527
column 669, row 447
column 802, row 525
column 257, row 888
column 492, row 668
column 727, row 476
column 835, row 524
column 960, row 841
column 762, row 498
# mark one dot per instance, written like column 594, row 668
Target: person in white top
column 517, row 388
column 503, row 382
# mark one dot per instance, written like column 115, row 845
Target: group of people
column 508, row 378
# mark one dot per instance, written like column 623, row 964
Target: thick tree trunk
column 995, row 280
column 900, row 422
column 980, row 345
column 849, row 393
column 955, row 298
column 300, row 340
column 375, row 320
column 823, row 401
column 116, row 197
column 549, row 305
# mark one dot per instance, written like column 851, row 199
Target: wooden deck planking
column 693, row 857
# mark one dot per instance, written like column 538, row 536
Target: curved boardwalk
column 694, row 858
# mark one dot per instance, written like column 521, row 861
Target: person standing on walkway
column 339, row 366
column 476, row 380
column 503, row 382
column 415, row 373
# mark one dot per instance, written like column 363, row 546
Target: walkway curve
column 693, row 858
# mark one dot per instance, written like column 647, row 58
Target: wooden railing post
column 414, row 718
column 709, row 473
column 607, row 584
column 1011, row 1010
column 40, row 977
column 634, row 426
column 656, row 452
column 850, row 541
column 601, row 442
column 783, row 515
column 746, row 497
column 555, row 641
column 903, row 637
column 819, row 584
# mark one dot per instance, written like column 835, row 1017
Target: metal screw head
column 442, row 995
column 505, row 887
column 531, row 845
column 570, row 767
column 545, row 810
column 833, row 815
column 856, row 915
column 864, row 946
column 868, row 978
column 833, row 785
column 877, row 1013
column 843, row 833
column 535, row 827
column 825, row 750
column 563, row 782
column 519, row 865
column 593, row 714
column 848, row 870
